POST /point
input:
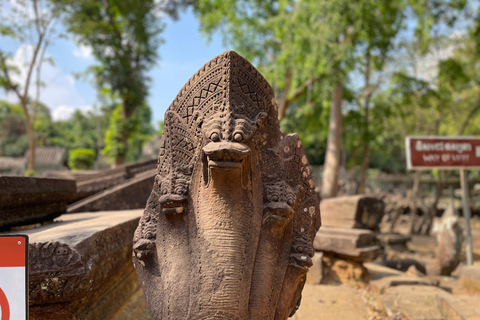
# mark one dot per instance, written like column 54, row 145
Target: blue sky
column 183, row 52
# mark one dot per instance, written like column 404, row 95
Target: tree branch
column 10, row 85
column 298, row 92
column 469, row 116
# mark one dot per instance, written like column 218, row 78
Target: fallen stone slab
column 27, row 200
column 130, row 194
column 379, row 285
column 394, row 241
column 377, row 271
column 405, row 264
column 359, row 211
column 356, row 244
column 468, row 271
column 80, row 266
column 90, row 184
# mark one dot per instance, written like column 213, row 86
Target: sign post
column 466, row 214
column 447, row 153
column 13, row 277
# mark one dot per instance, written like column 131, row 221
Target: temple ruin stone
column 359, row 211
column 128, row 194
column 28, row 200
column 228, row 229
column 354, row 244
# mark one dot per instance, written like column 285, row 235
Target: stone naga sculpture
column 228, row 229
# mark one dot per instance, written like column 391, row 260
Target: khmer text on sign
column 443, row 152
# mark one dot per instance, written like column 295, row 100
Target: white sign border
column 24, row 236
column 410, row 167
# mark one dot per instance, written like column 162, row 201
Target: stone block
column 359, row 211
column 80, row 266
column 394, row 241
column 354, row 244
column 92, row 183
column 26, row 200
column 130, row 194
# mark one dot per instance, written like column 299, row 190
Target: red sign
column 443, row 152
column 13, row 277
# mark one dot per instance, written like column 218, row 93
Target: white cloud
column 64, row 112
column 83, row 51
column 58, row 93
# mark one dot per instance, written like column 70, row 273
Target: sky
column 183, row 52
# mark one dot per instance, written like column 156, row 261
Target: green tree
column 139, row 128
column 124, row 37
column 32, row 21
column 13, row 137
column 296, row 44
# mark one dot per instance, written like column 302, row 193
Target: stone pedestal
column 81, row 268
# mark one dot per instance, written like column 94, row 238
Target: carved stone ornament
column 228, row 229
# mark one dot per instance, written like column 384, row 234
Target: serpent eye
column 215, row 137
column 238, row 137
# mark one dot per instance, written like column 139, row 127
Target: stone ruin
column 228, row 229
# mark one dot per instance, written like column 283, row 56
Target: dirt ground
column 392, row 294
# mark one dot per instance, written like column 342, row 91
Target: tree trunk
column 366, row 136
column 31, row 140
column 120, row 157
column 332, row 156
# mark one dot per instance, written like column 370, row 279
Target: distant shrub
column 81, row 159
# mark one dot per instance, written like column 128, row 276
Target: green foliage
column 81, row 130
column 13, row 138
column 81, row 159
column 123, row 35
column 139, row 131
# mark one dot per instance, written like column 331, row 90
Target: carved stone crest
column 228, row 229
